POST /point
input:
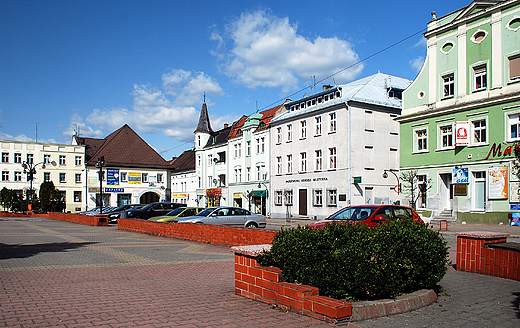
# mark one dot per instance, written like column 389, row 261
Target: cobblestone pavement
column 61, row 274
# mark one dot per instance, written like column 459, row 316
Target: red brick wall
column 4, row 214
column 473, row 256
column 78, row 218
column 203, row 233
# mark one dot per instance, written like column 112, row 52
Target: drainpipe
column 349, row 168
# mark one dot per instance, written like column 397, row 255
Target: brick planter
column 488, row 253
column 99, row 220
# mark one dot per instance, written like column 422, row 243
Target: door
column 446, row 191
column 479, row 194
column 302, row 201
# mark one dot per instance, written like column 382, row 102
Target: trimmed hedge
column 357, row 262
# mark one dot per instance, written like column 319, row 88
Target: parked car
column 227, row 216
column 152, row 210
column 95, row 210
column 179, row 212
column 370, row 215
column 114, row 214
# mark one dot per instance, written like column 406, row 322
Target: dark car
column 370, row 215
column 152, row 210
column 227, row 216
column 114, row 214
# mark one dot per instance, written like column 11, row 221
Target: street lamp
column 99, row 164
column 266, row 194
column 29, row 168
column 385, row 175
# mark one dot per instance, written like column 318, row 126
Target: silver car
column 226, row 215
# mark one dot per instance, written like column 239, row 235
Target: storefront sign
column 112, row 177
column 306, row 180
column 237, row 195
column 152, row 181
column 177, row 195
column 462, row 133
column 497, row 185
column 514, row 207
column 460, row 190
column 134, row 177
column 114, row 189
column 93, row 190
column 515, row 219
column 459, row 175
column 217, row 192
column 514, row 197
column 496, row 150
column 258, row 193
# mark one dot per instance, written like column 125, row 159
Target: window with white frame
column 145, row 177
column 260, row 172
column 18, row 176
column 5, row 157
column 278, row 197
column 248, row 144
column 448, row 84
column 289, row 163
column 5, row 175
column 479, row 131
column 258, row 145
column 514, row 68
column 236, row 150
column 238, row 175
column 421, row 140
column 318, row 197
column 394, row 125
column 279, row 164
column 124, row 177
column 303, row 161
column 332, row 197
column 46, row 176
column 318, row 126
column 17, row 158
column 210, row 181
column 369, row 121
column 46, row 159
column 210, row 159
column 77, row 178
column 332, row 122
column 262, row 145
column 30, row 158
column 63, row 178
column 369, row 157
column 62, row 160
column 303, row 132
column 514, row 126
column 319, row 160
column 289, row 132
column 288, row 195
column 278, row 135
column 332, row 158
column 160, row 178
column 480, row 77
column 78, row 160
column 446, row 136
column 77, row 196
column 248, row 173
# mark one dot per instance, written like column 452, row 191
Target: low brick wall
column 29, row 214
column 98, row 220
column 479, row 252
column 203, row 233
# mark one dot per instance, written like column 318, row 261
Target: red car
column 370, row 215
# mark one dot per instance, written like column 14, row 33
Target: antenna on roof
column 36, row 129
column 313, row 86
column 334, row 82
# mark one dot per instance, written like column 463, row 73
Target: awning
column 258, row 193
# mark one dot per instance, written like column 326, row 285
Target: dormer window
column 239, row 132
column 395, row 94
column 262, row 124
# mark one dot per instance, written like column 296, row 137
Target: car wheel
column 251, row 225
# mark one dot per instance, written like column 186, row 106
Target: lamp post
column 29, row 168
column 385, row 175
column 266, row 195
column 99, row 164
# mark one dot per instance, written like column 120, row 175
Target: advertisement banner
column 92, row 181
column 459, row 175
column 112, row 177
column 152, row 181
column 134, row 177
column 497, row 185
column 462, row 134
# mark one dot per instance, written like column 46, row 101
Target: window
column 262, row 145
column 514, row 68
column 479, row 131
column 332, row 197
column 480, row 76
column 46, row 176
column 77, row 196
column 159, row 177
column 421, row 140
column 17, row 176
column 236, row 150
column 78, row 178
column 514, row 126
column 63, row 178
column 258, row 145
column 395, row 93
column 303, row 134
column 248, row 172
column 319, row 160
column 260, row 172
column 421, row 192
column 448, row 83
column 369, row 157
column 145, row 177
column 289, row 163
column 5, row 157
column 303, row 157
column 210, row 159
column 248, row 148
column 123, row 176
column 278, row 197
column 279, row 165
column 210, row 181
column 332, row 119
column 289, row 133
column 17, row 158
column 446, row 136
column 5, row 175
column 318, row 197
column 238, row 175
column 288, row 195
column 46, row 159
column 30, row 158
column 198, row 141
column 332, row 158
column 78, row 160
column 318, row 126
column 278, row 135
column 369, row 121
column 62, row 160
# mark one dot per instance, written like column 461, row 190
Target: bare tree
column 413, row 187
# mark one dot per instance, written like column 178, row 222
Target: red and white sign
column 461, row 133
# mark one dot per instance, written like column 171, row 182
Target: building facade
column 460, row 116
column 330, row 150
column 184, row 179
column 62, row 164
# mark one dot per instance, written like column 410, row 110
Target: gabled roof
column 261, row 119
column 219, row 137
column 204, row 124
column 185, row 162
column 91, row 145
column 125, row 148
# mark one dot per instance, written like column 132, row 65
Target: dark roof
column 219, row 137
column 91, row 145
column 204, row 125
column 185, row 162
column 126, row 148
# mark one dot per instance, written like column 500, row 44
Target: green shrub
column 354, row 261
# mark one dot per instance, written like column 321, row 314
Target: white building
column 330, row 149
column 62, row 164
column 184, row 180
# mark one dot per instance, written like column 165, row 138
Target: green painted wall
column 410, row 98
column 478, row 52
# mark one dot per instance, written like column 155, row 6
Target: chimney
column 226, row 125
column 326, row 87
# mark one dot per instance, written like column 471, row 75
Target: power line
column 164, row 151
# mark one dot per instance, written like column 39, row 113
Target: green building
column 461, row 116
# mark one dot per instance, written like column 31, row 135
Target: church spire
column 204, row 125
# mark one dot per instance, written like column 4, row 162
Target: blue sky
column 101, row 64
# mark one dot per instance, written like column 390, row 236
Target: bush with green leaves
column 361, row 263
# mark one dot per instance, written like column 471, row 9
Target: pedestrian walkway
column 61, row 274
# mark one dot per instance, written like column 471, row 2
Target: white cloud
column 267, row 51
column 187, row 87
column 417, row 63
column 21, row 137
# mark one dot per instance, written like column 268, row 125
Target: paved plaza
column 61, row 274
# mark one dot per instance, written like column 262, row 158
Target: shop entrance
column 148, row 198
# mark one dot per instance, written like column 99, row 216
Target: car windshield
column 176, row 211
column 206, row 212
column 147, row 207
column 353, row 213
